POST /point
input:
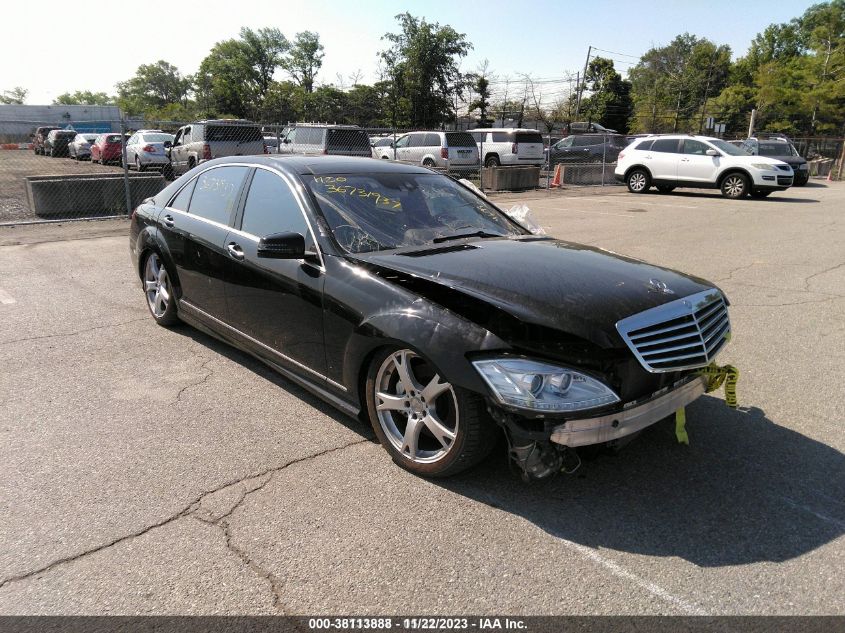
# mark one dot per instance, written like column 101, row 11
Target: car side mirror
column 282, row 246
column 712, row 152
column 168, row 145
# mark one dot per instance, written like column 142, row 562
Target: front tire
column 735, row 186
column 638, row 180
column 159, row 291
column 427, row 425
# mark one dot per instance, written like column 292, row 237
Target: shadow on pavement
column 746, row 490
column 716, row 195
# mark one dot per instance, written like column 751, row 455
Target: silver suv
column 509, row 146
column 435, row 149
column 213, row 138
column 342, row 140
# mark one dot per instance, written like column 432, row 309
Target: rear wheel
column 735, row 186
column 138, row 166
column 159, row 291
column 638, row 180
column 492, row 161
column 429, row 426
column 428, row 163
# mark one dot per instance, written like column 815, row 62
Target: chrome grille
column 682, row 334
column 784, row 167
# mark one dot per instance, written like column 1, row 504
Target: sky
column 91, row 45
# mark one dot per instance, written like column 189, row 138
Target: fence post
column 481, row 162
column 125, row 166
column 548, row 163
column 603, row 156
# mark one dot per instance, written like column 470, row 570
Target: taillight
column 514, row 148
column 621, row 155
column 149, row 148
column 206, row 151
column 444, row 153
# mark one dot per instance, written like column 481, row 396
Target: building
column 18, row 122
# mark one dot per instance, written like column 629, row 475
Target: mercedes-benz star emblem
column 655, row 285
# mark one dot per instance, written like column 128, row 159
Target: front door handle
column 235, row 251
column 169, row 221
column 685, row 160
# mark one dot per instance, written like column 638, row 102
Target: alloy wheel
column 637, row 181
column 734, row 186
column 156, row 286
column 417, row 411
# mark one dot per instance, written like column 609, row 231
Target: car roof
column 321, row 164
column 502, row 129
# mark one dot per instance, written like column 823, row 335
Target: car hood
column 570, row 288
column 790, row 160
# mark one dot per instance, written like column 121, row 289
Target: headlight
column 764, row 166
column 539, row 386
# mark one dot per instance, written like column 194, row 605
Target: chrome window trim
column 295, row 188
column 683, row 307
column 187, row 304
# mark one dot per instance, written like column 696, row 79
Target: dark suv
column 40, row 136
column 782, row 149
column 57, row 142
column 587, row 148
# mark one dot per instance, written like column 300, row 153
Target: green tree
column 823, row 29
column 153, row 87
column 609, row 102
column 84, row 97
column 480, row 83
column 16, row 96
column 305, row 59
column 236, row 75
column 670, row 84
column 422, row 63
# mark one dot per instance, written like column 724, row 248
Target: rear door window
column 432, row 140
column 348, row 140
column 237, row 133
column 528, row 137
column 182, row 200
column 644, row 145
column 665, row 145
column 501, row 137
column 459, row 139
column 692, row 146
column 417, row 140
column 216, row 193
column 478, row 136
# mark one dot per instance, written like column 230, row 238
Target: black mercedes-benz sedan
column 400, row 295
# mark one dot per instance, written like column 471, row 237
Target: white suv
column 507, row 146
column 679, row 160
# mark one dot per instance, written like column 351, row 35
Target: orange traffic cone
column 556, row 180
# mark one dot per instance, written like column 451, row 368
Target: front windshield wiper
column 460, row 236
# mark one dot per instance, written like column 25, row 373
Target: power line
column 615, row 53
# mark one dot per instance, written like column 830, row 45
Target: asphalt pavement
column 155, row 471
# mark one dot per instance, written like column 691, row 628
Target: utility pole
column 752, row 123
column 581, row 88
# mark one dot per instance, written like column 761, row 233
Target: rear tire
column 638, row 180
column 429, row 163
column 429, row 427
column 735, row 186
column 158, row 290
column 492, row 161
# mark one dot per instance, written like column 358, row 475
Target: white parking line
column 6, row 298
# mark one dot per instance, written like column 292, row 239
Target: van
column 339, row 140
column 437, row 149
column 213, row 138
column 509, row 146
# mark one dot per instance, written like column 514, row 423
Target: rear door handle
column 168, row 221
column 685, row 160
column 235, row 251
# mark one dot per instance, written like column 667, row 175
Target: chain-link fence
column 53, row 172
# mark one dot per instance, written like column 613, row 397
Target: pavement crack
column 208, row 374
column 731, row 273
column 266, row 475
column 821, row 272
column 76, row 333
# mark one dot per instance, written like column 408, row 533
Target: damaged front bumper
column 613, row 426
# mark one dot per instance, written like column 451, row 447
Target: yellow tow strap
column 716, row 376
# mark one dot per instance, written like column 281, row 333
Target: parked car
column 204, row 140
column 588, row 148
column 437, row 149
column 271, row 143
column 670, row 161
column 146, row 148
column 342, row 140
column 506, row 146
column 585, row 127
column 106, row 149
column 780, row 148
column 405, row 297
column 57, row 142
column 383, row 147
column 39, row 137
column 80, row 147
